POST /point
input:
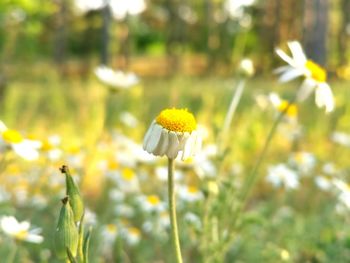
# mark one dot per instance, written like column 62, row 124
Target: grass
column 277, row 226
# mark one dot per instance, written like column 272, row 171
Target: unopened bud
column 75, row 198
column 66, row 235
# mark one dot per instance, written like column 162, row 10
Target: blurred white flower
column 330, row 169
column 162, row 174
column 246, row 67
column 127, row 180
column 193, row 220
column 25, row 148
column 132, row 235
column 51, row 147
column 83, row 6
column 151, row 203
column 341, row 138
column 303, row 161
column 190, row 193
column 124, row 210
column 116, row 79
column 280, row 175
column 235, row 8
column 128, row 119
column 315, row 76
column 344, row 192
column 323, row 182
column 281, row 105
column 20, row 230
column 121, row 8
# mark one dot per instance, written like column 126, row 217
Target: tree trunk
column 315, row 29
column 60, row 37
column 344, row 32
column 106, row 15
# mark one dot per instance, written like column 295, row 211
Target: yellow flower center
column 153, row 199
column 317, row 72
column 292, row 109
column 134, row 231
column 192, row 189
column 177, row 120
column 12, row 136
column 128, row 174
column 111, row 228
column 21, row 235
column 113, row 165
column 46, row 145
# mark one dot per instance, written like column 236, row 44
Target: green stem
column 172, row 211
column 231, row 111
column 254, row 173
column 12, row 256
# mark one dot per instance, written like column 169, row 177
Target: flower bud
column 66, row 235
column 75, row 198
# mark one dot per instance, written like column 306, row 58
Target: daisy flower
column 315, row 76
column 190, row 193
column 20, row 230
column 280, row 174
column 25, row 148
column 151, row 203
column 173, row 131
column 116, row 79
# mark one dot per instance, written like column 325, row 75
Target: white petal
column 282, row 69
column 163, row 144
column 173, row 148
column 285, row 57
column 290, row 74
column 154, row 138
column 187, row 151
column 148, row 134
column 305, row 89
column 34, row 238
column 324, row 97
column 297, row 52
column 25, row 151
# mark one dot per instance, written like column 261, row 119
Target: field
column 298, row 213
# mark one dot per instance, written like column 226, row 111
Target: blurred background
column 174, row 53
column 161, row 38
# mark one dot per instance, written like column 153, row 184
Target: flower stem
column 172, row 211
column 254, row 174
column 231, row 111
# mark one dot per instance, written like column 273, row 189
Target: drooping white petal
column 173, row 148
column 297, row 53
column 163, row 144
column 148, row 135
column 154, row 138
column 324, row 97
column 305, row 89
column 187, row 150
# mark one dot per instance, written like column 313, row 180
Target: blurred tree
column 106, row 14
column 315, row 29
column 60, row 36
column 344, row 32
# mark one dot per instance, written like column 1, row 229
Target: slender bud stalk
column 172, row 211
